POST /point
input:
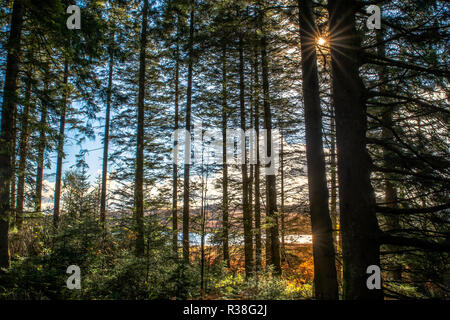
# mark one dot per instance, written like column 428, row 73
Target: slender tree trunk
column 333, row 182
column 258, row 242
column 41, row 150
column 226, row 253
column 13, row 166
column 282, row 229
column 202, row 244
column 188, row 129
column 268, row 237
column 202, row 250
column 23, row 152
column 359, row 226
column 175, row 165
column 7, row 134
column 106, row 137
column 333, row 197
column 60, row 156
column 248, row 245
column 250, row 203
column 271, row 192
column 139, row 183
column 325, row 278
column 252, row 145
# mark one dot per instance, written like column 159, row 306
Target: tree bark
column 359, row 225
column 325, row 279
column 139, row 183
column 7, row 134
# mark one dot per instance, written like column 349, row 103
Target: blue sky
column 93, row 158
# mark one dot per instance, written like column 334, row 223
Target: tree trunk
column 61, row 137
column 106, row 137
column 359, row 226
column 251, row 160
column 333, row 198
column 7, row 134
column 13, row 165
column 258, row 243
column 282, row 229
column 202, row 222
column 333, row 182
column 41, row 150
column 139, row 183
column 325, row 279
column 23, row 152
column 188, row 129
column 268, row 237
column 271, row 192
column 175, row 165
column 248, row 245
column 226, row 253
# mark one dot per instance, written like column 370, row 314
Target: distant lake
column 195, row 239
